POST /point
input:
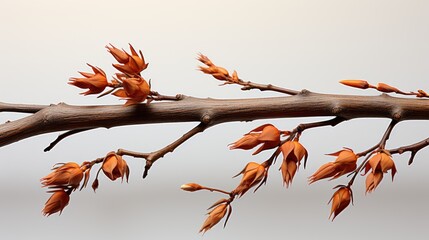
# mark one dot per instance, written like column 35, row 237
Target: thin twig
column 413, row 148
column 154, row 156
column 21, row 108
column 382, row 143
column 64, row 135
column 247, row 85
column 380, row 146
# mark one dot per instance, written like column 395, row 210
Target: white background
column 295, row 44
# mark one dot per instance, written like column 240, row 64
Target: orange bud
column 119, row 55
column 293, row 152
column 288, row 169
column 267, row 135
column 382, row 87
column 191, row 187
column 372, row 180
column 96, row 82
column 56, row 203
column 253, row 173
column 66, row 175
column 132, row 64
column 340, row 200
column 345, row 163
column 381, row 161
column 215, row 215
column 205, row 60
column 135, row 91
column 356, row 83
column 114, row 166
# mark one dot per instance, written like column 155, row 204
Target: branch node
column 336, row 110
column 304, row 92
column 397, row 116
column 206, row 119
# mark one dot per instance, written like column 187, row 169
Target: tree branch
column 63, row 117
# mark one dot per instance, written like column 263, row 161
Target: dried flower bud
column 293, row 152
column 215, row 215
column 340, row 200
column 267, row 135
column 253, row 174
column 356, row 83
column 345, row 163
column 191, row 187
column 114, row 166
column 120, row 55
column 65, row 175
column 96, row 82
column 135, row 91
column 134, row 63
column 381, row 161
column 372, row 180
column 56, row 203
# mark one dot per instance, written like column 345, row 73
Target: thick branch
column 63, row 117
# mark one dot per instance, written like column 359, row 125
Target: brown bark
column 62, row 117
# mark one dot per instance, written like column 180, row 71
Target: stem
column 154, row 156
column 64, row 135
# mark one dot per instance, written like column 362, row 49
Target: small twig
column 158, row 97
column 247, row 85
column 296, row 132
column 154, row 156
column 357, row 170
column 382, row 143
column 64, row 135
column 21, row 108
column 413, row 148
column 217, row 190
column 331, row 122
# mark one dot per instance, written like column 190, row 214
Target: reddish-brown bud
column 65, row 175
column 114, row 167
column 215, row 215
column 267, row 135
column 344, row 163
column 56, row 203
column 340, row 200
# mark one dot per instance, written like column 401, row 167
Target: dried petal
column 56, row 203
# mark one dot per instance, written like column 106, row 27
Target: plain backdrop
column 295, row 44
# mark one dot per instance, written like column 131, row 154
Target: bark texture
column 63, row 117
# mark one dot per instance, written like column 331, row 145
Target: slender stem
column 64, row 135
column 380, row 146
column 217, row 190
column 413, row 148
column 382, row 143
column 21, row 108
column 247, row 85
column 332, row 122
column 154, row 156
